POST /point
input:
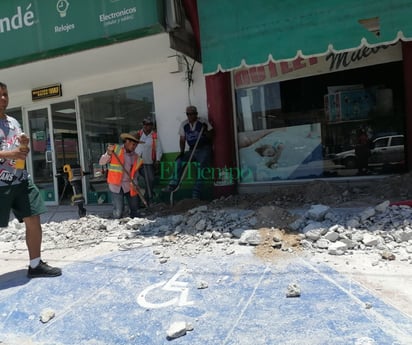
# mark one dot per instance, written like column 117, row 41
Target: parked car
column 386, row 150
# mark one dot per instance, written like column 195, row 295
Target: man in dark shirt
column 192, row 130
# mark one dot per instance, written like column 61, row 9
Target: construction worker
column 193, row 131
column 124, row 164
column 151, row 152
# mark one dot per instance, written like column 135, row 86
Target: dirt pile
column 368, row 191
column 272, row 208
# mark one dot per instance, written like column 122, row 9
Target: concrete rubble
column 178, row 329
column 293, row 290
column 46, row 315
column 382, row 229
column 385, row 229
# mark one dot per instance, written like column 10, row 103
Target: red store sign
column 328, row 63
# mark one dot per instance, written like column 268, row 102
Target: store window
column 104, row 116
column 17, row 114
column 339, row 124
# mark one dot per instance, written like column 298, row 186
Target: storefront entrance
column 54, row 143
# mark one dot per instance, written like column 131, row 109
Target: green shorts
column 23, row 199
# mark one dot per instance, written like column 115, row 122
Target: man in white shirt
column 151, row 152
column 17, row 192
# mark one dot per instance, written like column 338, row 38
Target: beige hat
column 131, row 136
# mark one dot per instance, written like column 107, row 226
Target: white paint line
column 229, row 335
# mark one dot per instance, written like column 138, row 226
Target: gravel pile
column 196, row 231
column 382, row 229
column 385, row 229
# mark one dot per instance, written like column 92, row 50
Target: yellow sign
column 46, row 92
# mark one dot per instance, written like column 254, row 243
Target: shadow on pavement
column 13, row 279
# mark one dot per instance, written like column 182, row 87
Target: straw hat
column 131, row 136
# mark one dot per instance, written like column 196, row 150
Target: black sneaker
column 43, row 270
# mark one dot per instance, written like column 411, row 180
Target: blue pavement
column 129, row 297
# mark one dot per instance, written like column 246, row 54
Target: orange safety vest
column 115, row 169
column 154, row 143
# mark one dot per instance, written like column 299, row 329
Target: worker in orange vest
column 123, row 166
column 151, row 152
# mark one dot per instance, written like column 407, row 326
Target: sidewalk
column 127, row 295
column 67, row 212
column 133, row 298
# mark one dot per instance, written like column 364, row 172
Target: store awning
column 43, row 29
column 247, row 33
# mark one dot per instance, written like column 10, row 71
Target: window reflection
column 309, row 127
column 107, row 114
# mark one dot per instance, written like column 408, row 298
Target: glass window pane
column 396, row 141
column 107, row 114
column 310, row 126
column 17, row 114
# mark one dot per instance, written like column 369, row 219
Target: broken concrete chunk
column 350, row 244
column 297, row 224
column 178, row 329
column 367, row 213
column 202, row 285
column 382, row 206
column 250, row 237
column 322, row 243
column 370, row 240
column 315, row 226
column 331, row 236
column 293, row 290
column 338, row 245
column 276, row 245
column 314, row 235
column 189, row 327
column 46, row 315
column 238, row 232
column 387, row 255
column 368, row 305
column 317, row 212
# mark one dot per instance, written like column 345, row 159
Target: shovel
column 186, row 167
column 135, row 185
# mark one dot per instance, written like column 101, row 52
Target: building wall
column 118, row 65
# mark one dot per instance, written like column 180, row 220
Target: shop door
column 54, row 144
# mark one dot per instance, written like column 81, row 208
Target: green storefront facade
column 80, row 73
column 39, row 29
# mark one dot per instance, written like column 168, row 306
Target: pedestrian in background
column 190, row 132
column 122, row 172
column 17, row 192
column 362, row 151
column 151, row 152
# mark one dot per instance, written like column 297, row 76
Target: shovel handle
column 132, row 181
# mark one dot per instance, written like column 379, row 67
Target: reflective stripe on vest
column 115, row 169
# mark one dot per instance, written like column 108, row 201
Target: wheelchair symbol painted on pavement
column 172, row 285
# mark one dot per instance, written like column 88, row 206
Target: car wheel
column 350, row 163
